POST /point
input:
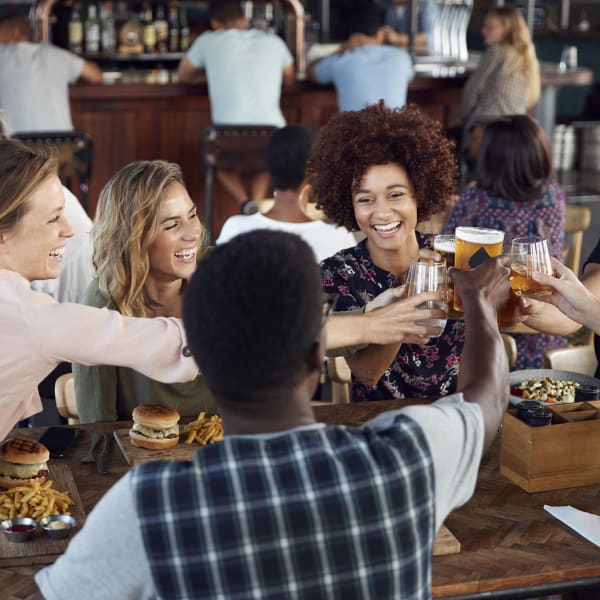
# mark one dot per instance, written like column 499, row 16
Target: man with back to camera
column 286, row 156
column 364, row 70
column 245, row 70
column 285, row 506
column 397, row 21
column 35, row 78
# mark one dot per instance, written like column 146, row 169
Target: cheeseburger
column 22, row 462
column 154, row 426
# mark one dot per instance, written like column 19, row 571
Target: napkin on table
column 584, row 523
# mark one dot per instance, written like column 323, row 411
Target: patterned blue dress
column 417, row 371
column 544, row 217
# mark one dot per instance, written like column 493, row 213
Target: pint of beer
column 528, row 255
column 446, row 246
column 474, row 246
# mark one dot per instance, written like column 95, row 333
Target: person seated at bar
column 398, row 21
column 34, row 80
column 287, row 152
column 516, row 192
column 284, row 506
column 147, row 239
column 381, row 171
column 363, row 70
column 37, row 331
column 506, row 80
column 245, row 70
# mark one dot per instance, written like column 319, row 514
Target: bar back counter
column 133, row 121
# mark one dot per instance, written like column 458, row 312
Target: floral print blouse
column 417, row 371
column 544, row 217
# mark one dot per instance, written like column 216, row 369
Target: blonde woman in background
column 507, row 78
column 147, row 239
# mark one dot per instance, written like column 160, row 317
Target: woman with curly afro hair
column 381, row 171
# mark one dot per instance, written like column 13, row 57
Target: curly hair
column 352, row 142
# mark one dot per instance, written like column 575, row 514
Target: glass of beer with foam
column 528, row 255
column 475, row 245
column 446, row 246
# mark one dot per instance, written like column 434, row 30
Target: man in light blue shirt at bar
column 363, row 70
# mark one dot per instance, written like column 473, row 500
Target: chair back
column 64, row 392
column 240, row 148
column 341, row 378
column 580, row 359
column 75, row 155
column 577, row 221
column 510, row 345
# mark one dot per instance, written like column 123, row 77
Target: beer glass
column 475, row 245
column 446, row 246
column 528, row 255
column 427, row 276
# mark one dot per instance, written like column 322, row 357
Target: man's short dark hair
column 252, row 311
column 368, row 19
column 225, row 11
column 287, row 153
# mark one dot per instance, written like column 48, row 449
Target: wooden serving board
column 445, row 542
column 135, row 456
column 41, row 550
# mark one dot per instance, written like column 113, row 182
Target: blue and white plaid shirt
column 317, row 512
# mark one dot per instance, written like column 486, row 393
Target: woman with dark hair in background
column 515, row 191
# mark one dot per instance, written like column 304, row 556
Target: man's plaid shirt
column 318, row 512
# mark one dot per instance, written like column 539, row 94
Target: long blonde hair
column 520, row 50
column 127, row 221
column 22, row 170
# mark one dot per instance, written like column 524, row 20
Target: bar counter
column 510, row 547
column 136, row 121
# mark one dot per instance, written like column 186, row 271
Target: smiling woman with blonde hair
column 147, row 238
column 36, row 331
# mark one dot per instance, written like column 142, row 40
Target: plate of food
column 552, row 386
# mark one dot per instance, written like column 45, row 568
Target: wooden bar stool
column 75, row 154
column 239, row 148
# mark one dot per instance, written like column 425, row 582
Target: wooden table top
column 508, row 542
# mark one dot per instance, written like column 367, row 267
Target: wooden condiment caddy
column 561, row 455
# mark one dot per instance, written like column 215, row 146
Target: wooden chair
column 64, row 392
column 581, row 359
column 341, row 378
column 75, row 155
column 240, row 148
column 511, row 348
column 577, row 221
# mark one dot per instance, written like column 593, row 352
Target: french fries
column 34, row 501
column 204, row 430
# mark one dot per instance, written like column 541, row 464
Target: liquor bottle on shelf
column 92, row 31
column 184, row 31
column 173, row 28
column 76, row 30
column 162, row 30
column 108, row 31
column 149, row 31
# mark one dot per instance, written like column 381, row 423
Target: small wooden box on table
column 564, row 454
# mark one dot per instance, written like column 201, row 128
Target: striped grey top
column 490, row 92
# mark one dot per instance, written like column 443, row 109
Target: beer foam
column 448, row 246
column 477, row 235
